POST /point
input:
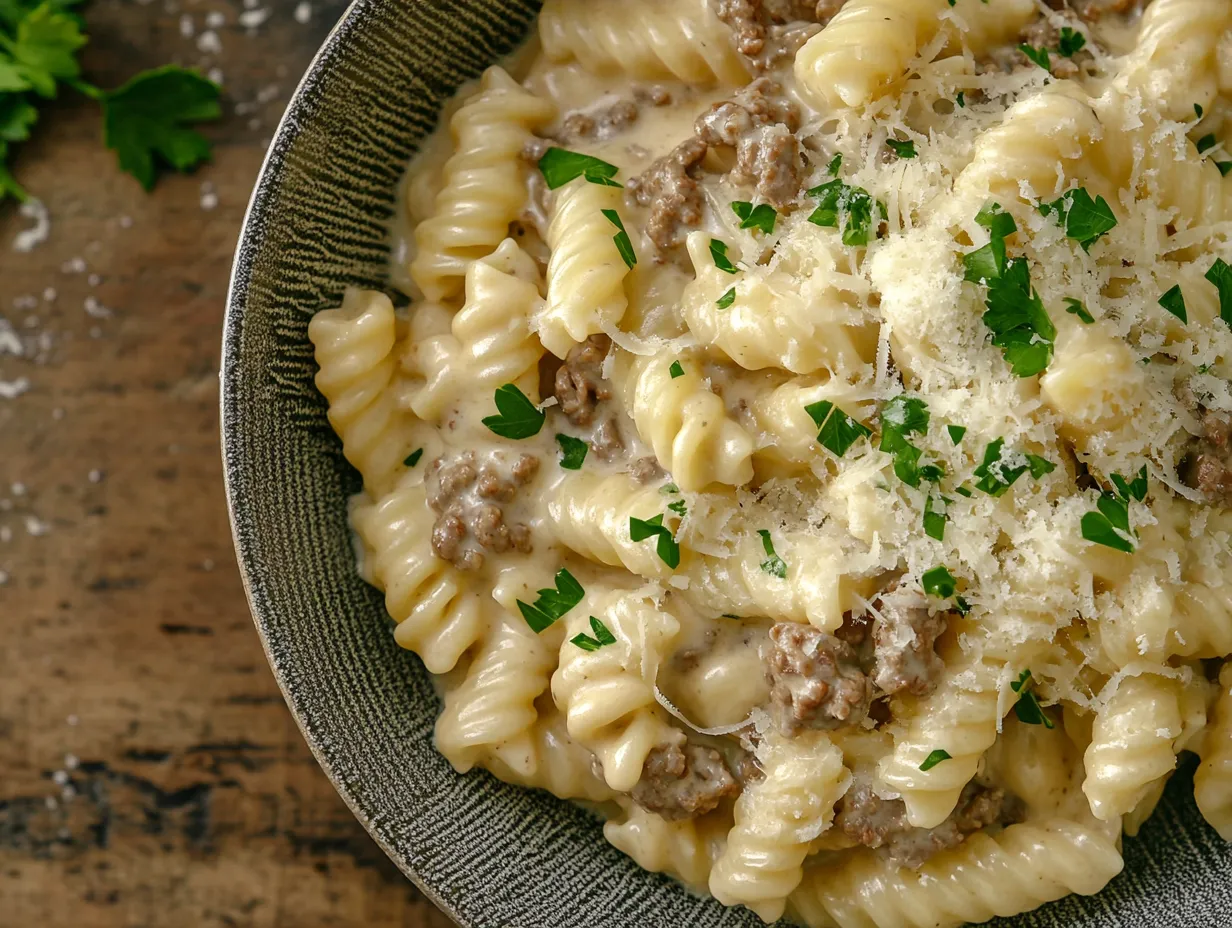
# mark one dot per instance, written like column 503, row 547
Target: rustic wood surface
column 150, row 774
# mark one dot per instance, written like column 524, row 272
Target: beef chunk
column 670, row 189
column 882, row 824
column 759, row 122
column 646, row 470
column 683, row 782
column 582, row 394
column 1207, row 466
column 761, row 103
column 766, row 30
column 904, row 641
column 1040, row 34
column 770, row 159
column 600, row 125
column 465, row 498
column 815, row 680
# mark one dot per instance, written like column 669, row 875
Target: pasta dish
column 808, row 440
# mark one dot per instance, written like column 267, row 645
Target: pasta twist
column 645, row 39
column 777, row 318
column 684, row 423
column 553, row 761
column 787, row 433
column 959, row 717
column 483, row 188
column 1022, row 867
column 586, row 273
column 590, row 515
column 777, row 818
column 490, row 342
column 1132, row 744
column 355, row 353
column 608, row 695
column 493, row 709
column 438, row 618
column 681, row 849
column 1095, row 384
column 1213, row 778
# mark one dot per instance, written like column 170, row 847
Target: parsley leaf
column 1220, row 275
column 718, row 251
column 935, row 516
column 1037, row 55
column 773, row 564
column 843, row 207
column 835, row 163
column 1132, row 489
column 1028, row 708
column 43, row 50
column 1224, row 167
column 956, row 432
column 934, row 758
column 902, row 417
column 573, row 451
column 146, row 117
column 621, row 238
column 603, row 636
column 1083, row 219
column 518, row 416
column 902, row 149
column 1000, row 469
column 413, row 458
column 1198, row 110
column 676, row 370
column 726, row 299
column 559, row 166
column 1174, row 302
column 1109, row 526
column 761, row 216
column 679, row 507
column 1206, row 143
column 1075, row 308
column 666, row 547
column 939, row 582
column 961, row 99
column 1071, row 42
column 838, row 431
column 1020, row 326
column 17, row 115
column 988, row 262
column 552, row 603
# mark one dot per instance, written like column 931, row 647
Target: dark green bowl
column 489, row 854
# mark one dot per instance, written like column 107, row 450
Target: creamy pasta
column 809, row 440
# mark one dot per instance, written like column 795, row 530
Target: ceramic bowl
column 491, row 855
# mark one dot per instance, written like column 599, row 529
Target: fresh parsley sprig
column 666, row 546
column 559, row 166
column 517, row 417
column 621, row 238
column 552, row 603
column 573, row 451
column 934, row 758
column 1020, row 325
column 1109, row 524
column 837, row 430
column 842, row 206
column 146, row 122
column 1028, row 708
column 718, row 251
column 1082, row 218
column 902, row 417
column 1000, row 468
column 760, row 217
column 603, row 636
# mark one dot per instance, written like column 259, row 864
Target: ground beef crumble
column 1207, row 465
column 467, row 501
column 680, row 782
column 582, row 393
column 904, row 643
column 815, row 680
column 882, row 824
column 670, row 189
column 768, row 31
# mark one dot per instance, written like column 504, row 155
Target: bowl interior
column 493, row 855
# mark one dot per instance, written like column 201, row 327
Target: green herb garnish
column 413, row 458
column 1109, row 526
column 676, row 370
column 773, row 564
column 835, row 163
column 838, row 431
column 1131, row 489
column 988, row 262
column 718, row 251
column 1220, row 275
column 956, row 432
column 1019, row 323
column 1028, row 708
column 1075, row 308
column 621, row 238
column 843, row 207
column 666, row 547
column 1082, row 218
column 939, row 582
column 961, row 99
column 726, row 299
column 1174, row 302
column 1037, row 55
column 760, row 217
column 1071, row 42
column 934, row 518
column 1000, row 469
column 573, row 451
column 518, row 416
column 902, row 417
column 552, row 603
column 559, row 166
column 937, row 756
column 1206, row 143
column 603, row 636
column 902, row 149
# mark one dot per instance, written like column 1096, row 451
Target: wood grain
column 150, row 773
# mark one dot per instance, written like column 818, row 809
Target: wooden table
column 150, row 774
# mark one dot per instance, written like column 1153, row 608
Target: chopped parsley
column 937, row 756
column 902, row 417
column 726, row 299
column 1206, row 143
column 963, row 490
column 413, row 458
column 1028, row 708
column 838, row 431
column 835, row 163
column 668, row 489
column 1132, row 489
column 676, row 370
column 956, row 432
column 1071, row 42
column 961, row 606
column 760, row 217
column 552, row 603
column 1174, row 302
column 1220, row 275
column 988, row 262
column 1038, row 55
column 559, row 166
column 573, row 451
column 666, row 547
column 902, row 149
column 842, row 206
column 1198, row 110
column 961, row 99
column 773, row 564
column 1082, row 218
column 1019, row 323
column 1075, row 308
column 1224, row 167
column 518, row 416
column 1000, row 469
column 939, row 582
column 935, row 516
column 1109, row 525
column 602, row 636
column 679, row 507
column 621, row 238
column 718, row 251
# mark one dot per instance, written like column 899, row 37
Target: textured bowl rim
column 253, row 232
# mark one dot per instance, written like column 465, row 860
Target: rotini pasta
column 1213, row 778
